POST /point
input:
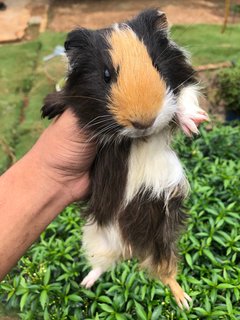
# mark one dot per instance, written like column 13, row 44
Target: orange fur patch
column 138, row 94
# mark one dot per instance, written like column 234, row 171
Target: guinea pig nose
column 142, row 125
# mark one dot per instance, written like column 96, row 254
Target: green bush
column 45, row 284
column 229, row 88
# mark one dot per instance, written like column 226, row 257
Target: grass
column 14, row 79
column 207, row 44
column 45, row 284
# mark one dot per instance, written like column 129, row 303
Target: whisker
column 104, row 116
column 184, row 81
column 103, row 131
column 88, row 126
column 85, row 97
column 162, row 59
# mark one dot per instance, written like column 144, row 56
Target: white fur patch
column 103, row 245
column 188, row 100
column 154, row 166
column 167, row 111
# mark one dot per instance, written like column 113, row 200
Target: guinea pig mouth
column 138, row 133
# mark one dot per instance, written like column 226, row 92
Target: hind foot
column 180, row 296
column 91, row 278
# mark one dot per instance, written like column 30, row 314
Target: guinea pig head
column 137, row 97
column 123, row 80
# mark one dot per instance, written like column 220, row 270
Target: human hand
column 65, row 155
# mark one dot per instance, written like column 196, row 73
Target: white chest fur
column 154, row 166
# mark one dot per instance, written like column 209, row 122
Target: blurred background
column 31, row 30
column 45, row 284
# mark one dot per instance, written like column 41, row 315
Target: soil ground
column 61, row 15
column 95, row 13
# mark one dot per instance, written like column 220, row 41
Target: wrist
column 65, row 186
column 44, row 185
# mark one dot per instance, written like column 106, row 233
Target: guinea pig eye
column 107, row 76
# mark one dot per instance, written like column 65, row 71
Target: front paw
column 53, row 105
column 189, row 122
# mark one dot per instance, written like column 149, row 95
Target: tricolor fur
column 127, row 85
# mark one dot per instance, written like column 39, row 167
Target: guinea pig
column 131, row 86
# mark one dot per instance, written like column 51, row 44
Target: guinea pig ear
column 153, row 20
column 77, row 40
column 53, row 105
column 161, row 23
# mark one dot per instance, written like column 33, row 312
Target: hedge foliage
column 45, row 284
column 229, row 88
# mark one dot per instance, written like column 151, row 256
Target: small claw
column 185, row 303
column 192, row 127
column 186, row 131
column 189, row 128
column 187, row 297
column 199, row 118
column 180, row 296
column 201, row 111
column 179, row 304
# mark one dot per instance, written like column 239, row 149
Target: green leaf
column 201, row 311
column 209, row 282
column 209, row 254
column 105, row 299
column 193, row 280
column 140, row 311
column 23, row 301
column 47, row 276
column 130, row 280
column 189, row 260
column 153, row 291
column 124, row 276
column 105, row 307
column 213, row 295
column 93, row 308
column 43, row 298
column 114, row 288
column 5, row 287
column 157, row 313
column 236, row 293
column 75, row 298
column 218, row 313
column 229, row 305
column 143, row 292
column 88, row 293
column 207, row 304
column 120, row 316
column 225, row 286
column 46, row 314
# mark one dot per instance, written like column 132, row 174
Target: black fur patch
column 86, row 92
column 149, row 228
column 54, row 105
column 108, row 177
